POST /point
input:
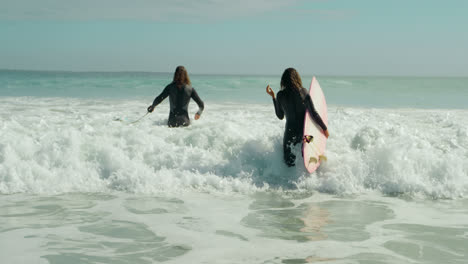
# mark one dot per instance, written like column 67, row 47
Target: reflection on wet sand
column 314, row 219
column 279, row 217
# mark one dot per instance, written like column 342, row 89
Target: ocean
column 81, row 183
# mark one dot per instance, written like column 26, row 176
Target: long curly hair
column 181, row 76
column 291, row 80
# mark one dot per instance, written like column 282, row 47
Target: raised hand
column 270, row 92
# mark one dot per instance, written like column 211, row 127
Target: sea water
column 81, row 183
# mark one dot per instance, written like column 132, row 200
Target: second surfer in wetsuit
column 292, row 101
column 180, row 91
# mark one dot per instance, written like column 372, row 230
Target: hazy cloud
column 327, row 14
column 150, row 10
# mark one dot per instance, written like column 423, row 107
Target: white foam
column 61, row 145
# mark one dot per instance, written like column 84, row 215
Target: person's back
column 180, row 91
column 179, row 99
column 292, row 104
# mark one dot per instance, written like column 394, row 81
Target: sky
column 325, row 37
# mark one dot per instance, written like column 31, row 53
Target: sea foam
column 59, row 145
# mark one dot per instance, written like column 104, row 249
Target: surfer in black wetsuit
column 180, row 91
column 292, row 101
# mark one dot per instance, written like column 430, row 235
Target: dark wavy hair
column 291, row 80
column 181, row 76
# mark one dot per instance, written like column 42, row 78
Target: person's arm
column 315, row 116
column 199, row 102
column 159, row 99
column 278, row 110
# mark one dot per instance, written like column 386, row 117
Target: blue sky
column 332, row 37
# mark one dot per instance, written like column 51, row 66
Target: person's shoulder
column 304, row 93
column 280, row 93
column 170, row 85
column 188, row 87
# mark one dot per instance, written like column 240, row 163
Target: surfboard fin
column 322, row 158
column 312, row 160
column 307, row 139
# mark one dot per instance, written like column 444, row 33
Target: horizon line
column 233, row 74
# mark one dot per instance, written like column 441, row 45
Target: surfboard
column 314, row 140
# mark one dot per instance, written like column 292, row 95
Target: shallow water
column 262, row 227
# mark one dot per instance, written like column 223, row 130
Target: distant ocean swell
column 381, row 92
column 59, row 145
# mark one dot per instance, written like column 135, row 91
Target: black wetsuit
column 179, row 99
column 293, row 103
